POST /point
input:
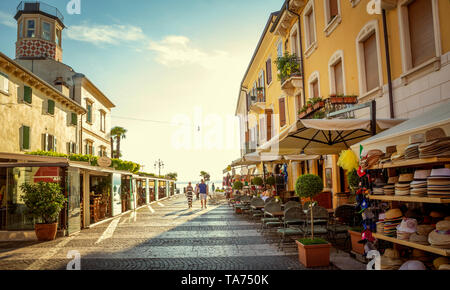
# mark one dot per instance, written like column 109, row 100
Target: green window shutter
column 51, row 107
column 74, row 119
column 25, row 138
column 27, row 94
column 89, row 113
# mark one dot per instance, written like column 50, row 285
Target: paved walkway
column 164, row 236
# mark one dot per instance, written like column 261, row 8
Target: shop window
column 4, row 83
column 31, row 28
column 46, row 28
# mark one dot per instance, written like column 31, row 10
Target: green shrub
column 308, row 185
column 316, row 241
column 258, row 181
column 44, row 200
column 237, row 185
column 353, row 180
column 270, row 180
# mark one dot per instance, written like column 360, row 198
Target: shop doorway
column 151, row 188
column 141, row 192
column 125, row 193
column 100, row 197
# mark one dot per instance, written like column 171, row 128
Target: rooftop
column 38, row 7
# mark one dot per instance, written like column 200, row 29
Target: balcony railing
column 29, row 6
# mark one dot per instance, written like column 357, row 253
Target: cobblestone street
column 163, row 236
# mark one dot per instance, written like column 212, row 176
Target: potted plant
column 260, row 93
column 44, row 201
column 312, row 252
column 355, row 236
column 287, row 65
column 237, row 185
column 336, row 99
column 270, row 180
column 351, row 99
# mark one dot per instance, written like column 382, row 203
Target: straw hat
column 439, row 240
column 406, row 177
column 413, row 265
column 434, row 134
column 444, row 267
column 424, row 230
column 408, row 225
column 393, row 180
column 440, row 261
column 390, row 259
column 419, row 239
column 417, row 138
column 394, row 214
column 420, row 255
column 440, row 172
column 401, row 149
column 443, row 226
column 421, row 174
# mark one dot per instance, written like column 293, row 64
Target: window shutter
column 51, row 107
column 282, row 112
column 269, row 124
column 315, row 87
column 89, row 113
column 4, row 82
column 44, row 142
column 421, row 30
column 371, row 63
column 55, row 143
column 27, row 94
column 269, row 71
column 333, row 5
column 25, row 138
column 311, row 35
column 74, row 119
column 338, row 78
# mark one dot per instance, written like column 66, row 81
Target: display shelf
column 424, row 199
column 442, row 252
column 412, row 163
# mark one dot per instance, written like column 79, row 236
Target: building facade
column 39, row 49
column 398, row 56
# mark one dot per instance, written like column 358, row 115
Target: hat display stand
column 414, row 185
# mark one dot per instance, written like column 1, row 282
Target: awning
column 324, row 136
column 301, row 157
column 399, row 135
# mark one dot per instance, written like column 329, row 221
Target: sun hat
column 393, row 214
column 393, row 180
column 421, row 174
column 440, row 261
column 408, row 177
column 413, row 265
column 443, row 226
column 439, row 240
column 417, row 138
column 419, row 239
column 424, row 230
column 444, row 267
column 440, row 172
column 391, row 259
column 408, row 225
column 420, row 255
column 434, row 134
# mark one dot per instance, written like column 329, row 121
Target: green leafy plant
column 258, row 181
column 270, row 180
column 44, row 200
column 287, row 66
column 316, row 241
column 237, row 185
column 308, row 186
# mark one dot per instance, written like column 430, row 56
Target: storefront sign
column 104, row 162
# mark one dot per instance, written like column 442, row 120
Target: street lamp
column 159, row 164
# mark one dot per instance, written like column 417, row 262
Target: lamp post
column 159, row 164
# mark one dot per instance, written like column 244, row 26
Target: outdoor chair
column 235, row 200
column 343, row 220
column 243, row 203
column 256, row 213
column 292, row 203
column 292, row 216
column 270, row 199
column 320, row 220
column 270, row 221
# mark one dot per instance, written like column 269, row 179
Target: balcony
column 289, row 73
column 258, row 103
column 318, row 108
column 38, row 7
column 293, row 85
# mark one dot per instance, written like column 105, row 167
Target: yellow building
column 393, row 52
column 35, row 115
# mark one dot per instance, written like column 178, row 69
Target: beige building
column 34, row 115
column 39, row 49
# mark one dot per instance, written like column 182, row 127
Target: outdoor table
column 257, row 206
column 276, row 213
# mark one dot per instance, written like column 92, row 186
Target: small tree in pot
column 44, row 201
column 312, row 252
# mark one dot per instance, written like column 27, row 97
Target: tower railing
column 34, row 6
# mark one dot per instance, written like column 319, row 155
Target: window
column 58, row 37
column 102, row 152
column 314, row 85
column 89, row 112
column 89, row 147
column 263, row 128
column 46, row 27
column 336, row 72
column 27, row 95
column 51, row 107
column 282, row 109
column 73, row 119
column 25, row 138
column 102, row 121
column 72, row 148
column 332, row 15
column 4, row 83
column 20, row 29
column 269, row 71
column 31, row 28
column 369, row 63
column 280, row 49
column 295, row 46
column 420, row 35
column 48, row 142
column 309, row 25
column 261, row 87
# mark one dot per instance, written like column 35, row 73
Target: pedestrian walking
column 213, row 187
column 196, row 191
column 203, row 189
column 189, row 194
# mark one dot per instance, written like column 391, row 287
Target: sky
column 172, row 68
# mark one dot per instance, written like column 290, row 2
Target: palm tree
column 118, row 133
column 205, row 175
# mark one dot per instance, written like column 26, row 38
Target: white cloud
column 105, row 34
column 176, row 50
column 7, row 20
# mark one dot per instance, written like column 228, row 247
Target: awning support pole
column 373, row 117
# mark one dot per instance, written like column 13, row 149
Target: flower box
column 314, row 255
column 355, row 237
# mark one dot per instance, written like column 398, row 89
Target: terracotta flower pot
column 350, row 100
column 314, row 255
column 355, row 238
column 46, row 232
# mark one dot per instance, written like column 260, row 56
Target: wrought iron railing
column 35, row 6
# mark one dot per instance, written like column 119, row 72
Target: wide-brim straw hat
column 394, row 214
column 419, row 239
column 424, row 230
column 440, row 261
column 393, row 180
column 417, row 138
column 408, row 177
column 439, row 240
column 414, row 265
column 434, row 134
column 443, row 226
column 421, row 174
column 440, row 172
column 444, row 267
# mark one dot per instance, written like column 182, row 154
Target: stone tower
column 39, row 31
